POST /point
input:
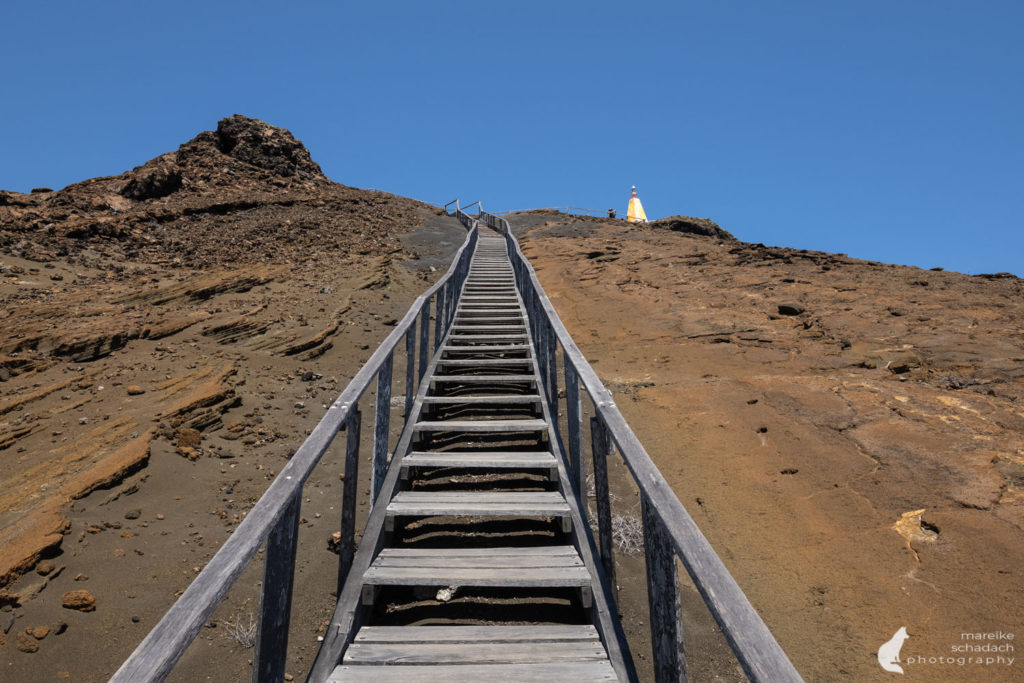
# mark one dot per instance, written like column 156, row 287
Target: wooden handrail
column 665, row 517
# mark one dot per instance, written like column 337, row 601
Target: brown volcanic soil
column 169, row 336
column 798, row 442
column 167, row 339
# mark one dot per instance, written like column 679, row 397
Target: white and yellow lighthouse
column 635, row 213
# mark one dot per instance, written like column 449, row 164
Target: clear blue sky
column 886, row 130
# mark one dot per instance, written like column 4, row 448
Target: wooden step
column 463, row 318
column 478, row 379
column 496, row 399
column 482, row 426
column 478, row 504
column 483, row 460
column 486, row 298
column 488, row 312
column 485, row 361
column 485, row 652
column 528, row 567
column 488, row 328
column 533, row 460
column 493, row 348
column 477, row 306
column 578, row 672
column 486, row 337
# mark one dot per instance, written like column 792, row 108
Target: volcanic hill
column 848, row 434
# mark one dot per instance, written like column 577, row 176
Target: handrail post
column 410, row 370
column 381, row 425
column 424, row 338
column 663, row 600
column 575, row 426
column 439, row 318
column 276, row 601
column 347, row 542
column 552, row 376
column 599, row 448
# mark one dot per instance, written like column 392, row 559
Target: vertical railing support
column 439, row 318
column 663, row 599
column 424, row 338
column 542, row 355
column 276, row 601
column 552, row 375
column 349, row 493
column 453, row 300
column 410, row 370
column 599, row 448
column 381, row 425
column 574, row 425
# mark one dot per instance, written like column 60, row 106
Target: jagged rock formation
column 243, row 193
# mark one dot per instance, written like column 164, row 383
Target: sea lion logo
column 889, row 653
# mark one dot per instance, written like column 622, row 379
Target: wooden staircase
column 480, row 575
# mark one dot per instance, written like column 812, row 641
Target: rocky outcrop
column 692, row 226
column 246, row 192
column 265, row 146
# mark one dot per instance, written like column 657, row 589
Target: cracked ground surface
column 858, row 466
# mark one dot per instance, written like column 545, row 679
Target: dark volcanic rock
column 150, row 182
column 266, row 146
column 693, row 226
column 790, row 309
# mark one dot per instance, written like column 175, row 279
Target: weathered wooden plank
column 489, row 321
column 501, row 461
column 347, row 544
column 276, row 599
column 553, row 497
column 532, row 633
column 486, row 426
column 445, row 563
column 484, row 361
column 476, row 653
column 496, row 399
column 476, row 338
column 508, row 303
column 500, row 577
column 471, row 552
column 381, row 426
column 487, row 328
column 491, row 311
column 480, row 379
column 599, row 456
column 549, row 672
column 663, row 600
column 467, row 508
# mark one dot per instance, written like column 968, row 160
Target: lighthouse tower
column 635, row 213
